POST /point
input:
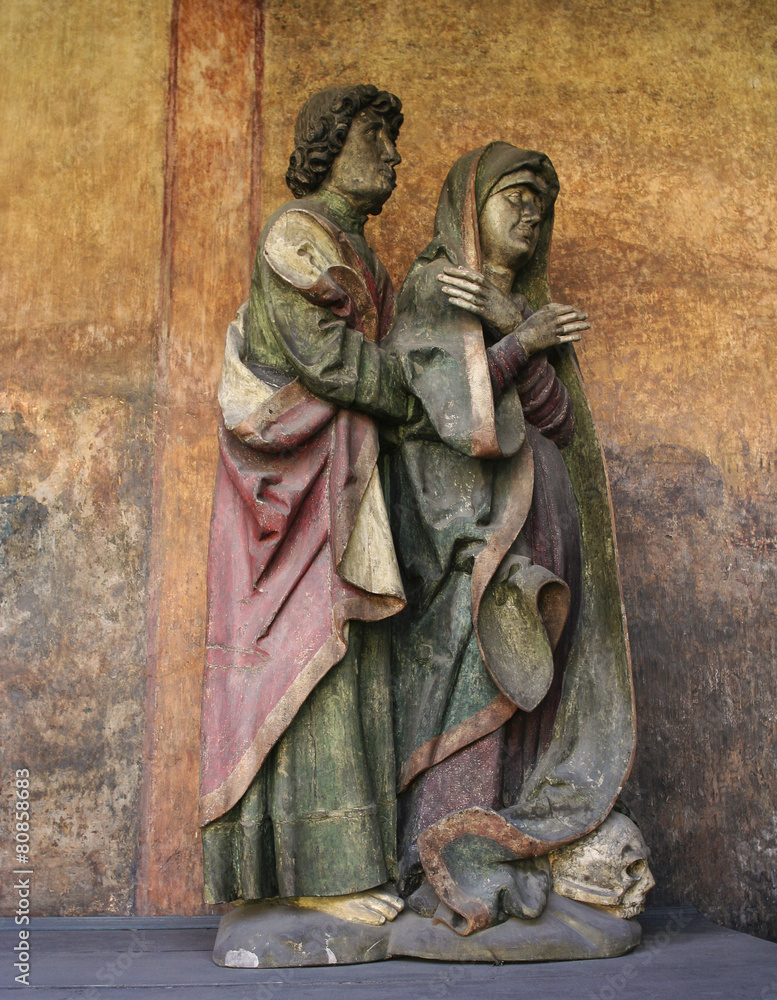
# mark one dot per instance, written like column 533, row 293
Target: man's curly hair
column 322, row 127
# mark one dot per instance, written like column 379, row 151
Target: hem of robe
column 354, row 828
column 473, row 822
column 486, row 720
column 227, row 794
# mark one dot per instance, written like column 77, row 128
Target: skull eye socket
column 635, row 869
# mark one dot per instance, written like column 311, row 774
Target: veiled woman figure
column 512, row 682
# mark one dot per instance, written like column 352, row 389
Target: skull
column 607, row 867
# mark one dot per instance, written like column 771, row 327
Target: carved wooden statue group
column 417, row 710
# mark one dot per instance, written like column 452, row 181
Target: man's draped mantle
column 300, row 541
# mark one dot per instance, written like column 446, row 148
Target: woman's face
column 510, row 223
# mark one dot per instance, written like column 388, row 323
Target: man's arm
column 317, row 306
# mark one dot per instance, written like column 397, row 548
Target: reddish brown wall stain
column 208, row 259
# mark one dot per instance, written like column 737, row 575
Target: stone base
column 272, row 935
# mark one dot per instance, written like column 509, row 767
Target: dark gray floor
column 682, row 957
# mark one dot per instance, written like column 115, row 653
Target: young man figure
column 297, row 770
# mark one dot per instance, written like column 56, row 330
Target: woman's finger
column 562, row 310
column 574, row 327
column 465, row 272
column 465, row 284
column 572, row 338
column 460, row 293
column 464, row 304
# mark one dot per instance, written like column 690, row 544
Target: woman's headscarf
column 442, row 346
column 464, row 193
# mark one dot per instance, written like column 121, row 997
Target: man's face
column 510, row 221
column 363, row 171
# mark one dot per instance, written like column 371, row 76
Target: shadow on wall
column 700, row 587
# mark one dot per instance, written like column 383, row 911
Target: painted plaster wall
column 659, row 117
column 81, row 194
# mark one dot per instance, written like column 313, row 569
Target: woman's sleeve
column 544, row 397
column 545, row 401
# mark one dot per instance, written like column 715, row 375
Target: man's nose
column 390, row 154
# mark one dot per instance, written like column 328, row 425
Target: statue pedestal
column 275, row 935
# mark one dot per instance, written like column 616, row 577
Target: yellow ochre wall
column 144, row 143
column 82, row 155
